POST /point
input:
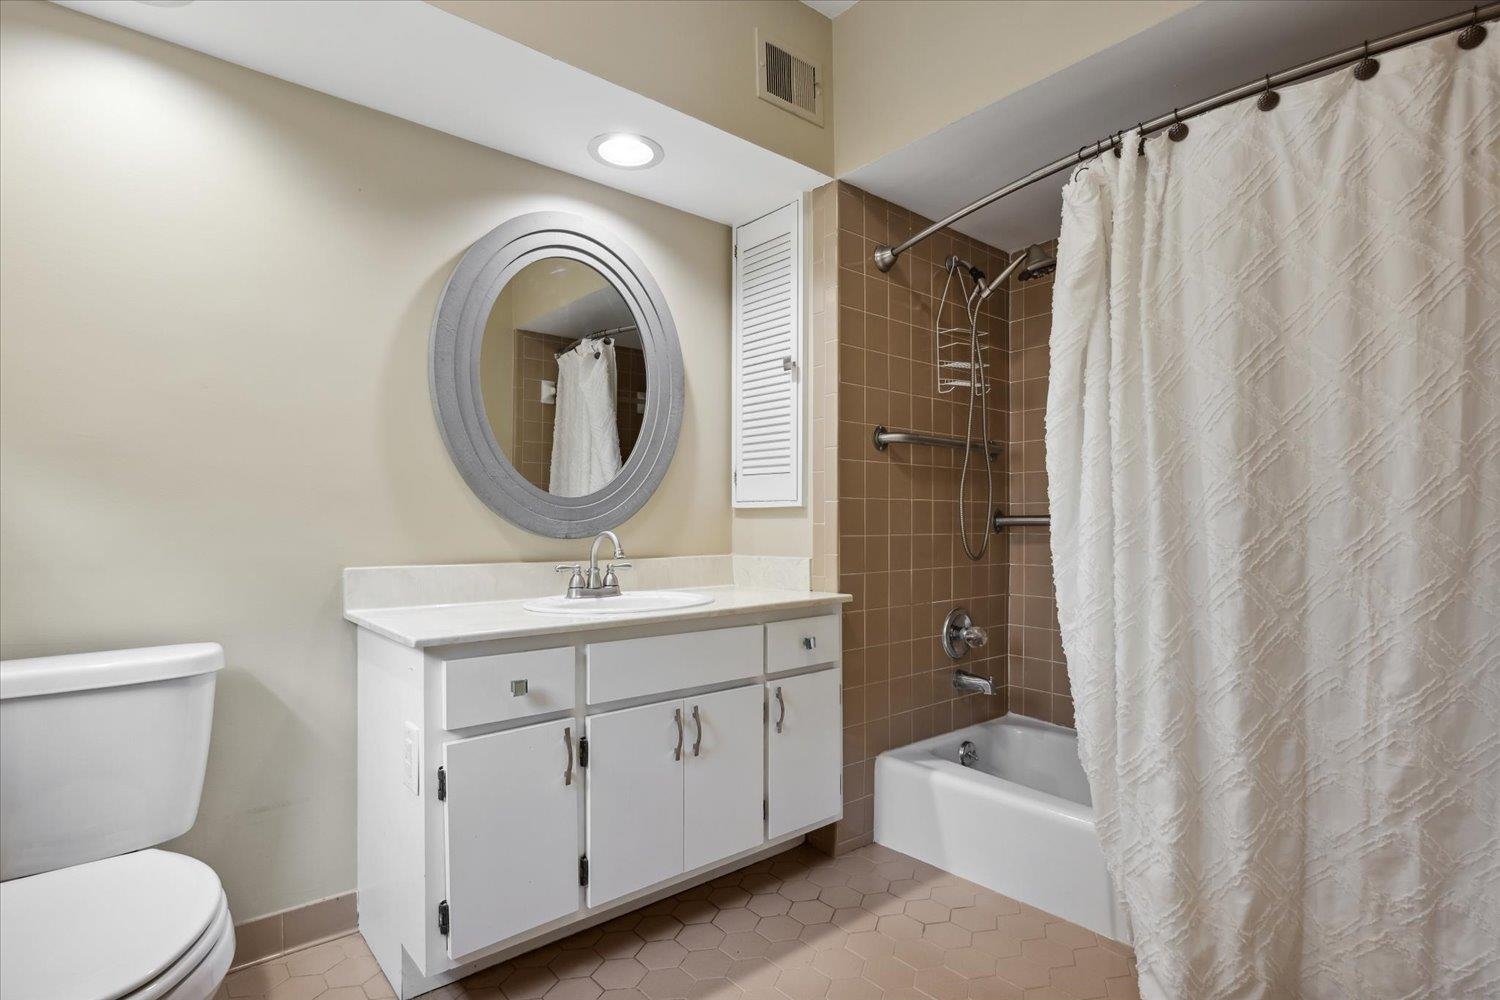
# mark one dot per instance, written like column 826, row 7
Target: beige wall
column 214, row 315
column 697, row 56
column 906, row 69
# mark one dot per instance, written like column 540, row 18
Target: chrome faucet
column 972, row 683
column 592, row 583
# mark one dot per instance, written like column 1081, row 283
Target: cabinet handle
column 780, row 709
column 518, row 688
column 698, row 729
column 677, row 717
column 568, row 742
column 809, row 642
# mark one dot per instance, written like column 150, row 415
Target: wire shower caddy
column 951, row 343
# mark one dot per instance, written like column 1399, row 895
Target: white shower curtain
column 1273, row 448
column 585, row 435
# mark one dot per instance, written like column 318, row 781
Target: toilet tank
column 101, row 753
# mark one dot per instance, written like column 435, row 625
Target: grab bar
column 884, row 439
column 1003, row 520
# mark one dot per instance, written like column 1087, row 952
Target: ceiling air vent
column 788, row 81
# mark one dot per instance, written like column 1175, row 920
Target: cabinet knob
column 809, row 642
column 518, row 688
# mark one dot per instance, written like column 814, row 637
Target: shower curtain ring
column 1366, row 67
column 1178, row 131
column 1140, row 130
column 1119, row 140
column 1268, row 98
column 1472, row 36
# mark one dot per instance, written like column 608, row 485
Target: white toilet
column 101, row 757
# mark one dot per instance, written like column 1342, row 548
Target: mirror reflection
column 563, row 376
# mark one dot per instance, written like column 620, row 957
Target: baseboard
column 298, row 927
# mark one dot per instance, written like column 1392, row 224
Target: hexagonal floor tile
column 870, row 925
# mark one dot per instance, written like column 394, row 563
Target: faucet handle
column 576, row 582
column 610, row 580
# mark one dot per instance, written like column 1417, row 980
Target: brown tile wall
column 898, row 547
column 1038, row 675
column 535, row 361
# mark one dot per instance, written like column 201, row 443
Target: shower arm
column 982, row 292
column 885, row 256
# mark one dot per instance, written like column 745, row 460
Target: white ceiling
column 830, row 8
column 1200, row 52
column 419, row 63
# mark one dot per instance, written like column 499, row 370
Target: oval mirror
column 556, row 375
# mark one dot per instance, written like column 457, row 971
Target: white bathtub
column 1019, row 821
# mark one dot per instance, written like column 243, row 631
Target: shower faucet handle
column 960, row 634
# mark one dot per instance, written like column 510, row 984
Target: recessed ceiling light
column 625, row 150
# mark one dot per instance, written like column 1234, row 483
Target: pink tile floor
column 870, row 925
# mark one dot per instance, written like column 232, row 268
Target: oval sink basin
column 631, row 603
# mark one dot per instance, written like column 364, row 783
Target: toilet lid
column 104, row 929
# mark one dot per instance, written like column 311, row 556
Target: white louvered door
column 768, row 366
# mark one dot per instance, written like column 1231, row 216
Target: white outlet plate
column 411, row 758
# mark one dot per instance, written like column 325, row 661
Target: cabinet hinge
column 442, row 784
column 765, row 809
column 583, row 869
column 583, row 752
column 443, row 918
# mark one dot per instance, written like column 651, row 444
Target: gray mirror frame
column 453, row 374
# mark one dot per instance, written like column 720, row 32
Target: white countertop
column 446, row 624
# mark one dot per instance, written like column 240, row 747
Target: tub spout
column 972, row 683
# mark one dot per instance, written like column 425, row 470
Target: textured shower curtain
column 585, row 433
column 1273, row 446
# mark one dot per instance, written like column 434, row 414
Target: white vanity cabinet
column 514, row 790
column 511, row 808
column 635, row 799
column 724, row 778
column 805, row 724
column 673, row 786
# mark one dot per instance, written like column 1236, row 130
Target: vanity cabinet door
column 804, row 757
column 511, row 804
column 635, row 798
column 724, row 776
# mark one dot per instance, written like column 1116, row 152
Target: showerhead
column 1036, row 263
column 1039, row 263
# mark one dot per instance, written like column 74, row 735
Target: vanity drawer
column 803, row 642
column 634, row 668
column 484, row 689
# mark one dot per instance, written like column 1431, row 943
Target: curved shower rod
column 1473, row 34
